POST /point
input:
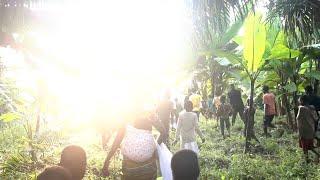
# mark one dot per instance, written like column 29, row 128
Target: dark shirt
column 164, row 110
column 235, row 99
column 315, row 101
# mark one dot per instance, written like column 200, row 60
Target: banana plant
column 282, row 60
column 254, row 45
column 251, row 60
column 313, row 54
column 217, row 67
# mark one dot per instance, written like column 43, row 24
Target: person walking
column 165, row 110
column 306, row 119
column 223, row 113
column 236, row 102
column 270, row 109
column 138, row 147
column 187, row 129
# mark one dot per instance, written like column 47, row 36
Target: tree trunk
column 316, row 83
column 212, row 79
column 204, row 90
column 295, row 101
column 249, row 125
column 212, row 86
column 38, row 123
column 288, row 112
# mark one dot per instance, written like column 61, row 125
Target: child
column 306, row 118
column 223, row 113
column 73, row 158
column 185, row 165
column 55, row 173
column 187, row 128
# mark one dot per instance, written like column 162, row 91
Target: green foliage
column 282, row 52
column 229, row 35
column 269, row 78
column 300, row 18
column 274, row 158
column 17, row 165
column 291, row 87
column 212, row 18
column 10, row 116
column 313, row 74
column 280, row 49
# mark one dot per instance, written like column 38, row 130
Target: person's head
column 188, row 106
column 309, row 90
column 304, row 100
column 232, row 86
column 265, row 89
column 185, row 165
column 55, row 173
column 74, row 159
column 223, row 99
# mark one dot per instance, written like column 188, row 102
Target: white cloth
column 174, row 125
column 138, row 145
column 192, row 146
column 165, row 157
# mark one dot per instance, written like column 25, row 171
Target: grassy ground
column 274, row 158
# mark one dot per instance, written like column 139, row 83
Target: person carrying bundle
column 138, row 147
column 306, row 119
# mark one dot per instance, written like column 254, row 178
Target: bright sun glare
column 105, row 56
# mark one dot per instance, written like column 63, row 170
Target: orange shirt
column 270, row 100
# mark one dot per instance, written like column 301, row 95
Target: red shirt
column 270, row 100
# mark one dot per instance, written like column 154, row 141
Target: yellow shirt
column 196, row 101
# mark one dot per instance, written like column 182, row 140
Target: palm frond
column 211, row 18
column 300, row 18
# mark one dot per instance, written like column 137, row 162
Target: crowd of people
column 139, row 147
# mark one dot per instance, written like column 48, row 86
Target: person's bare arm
column 115, row 146
column 275, row 106
column 159, row 127
column 265, row 105
column 198, row 131
column 265, row 109
column 178, row 129
column 299, row 119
